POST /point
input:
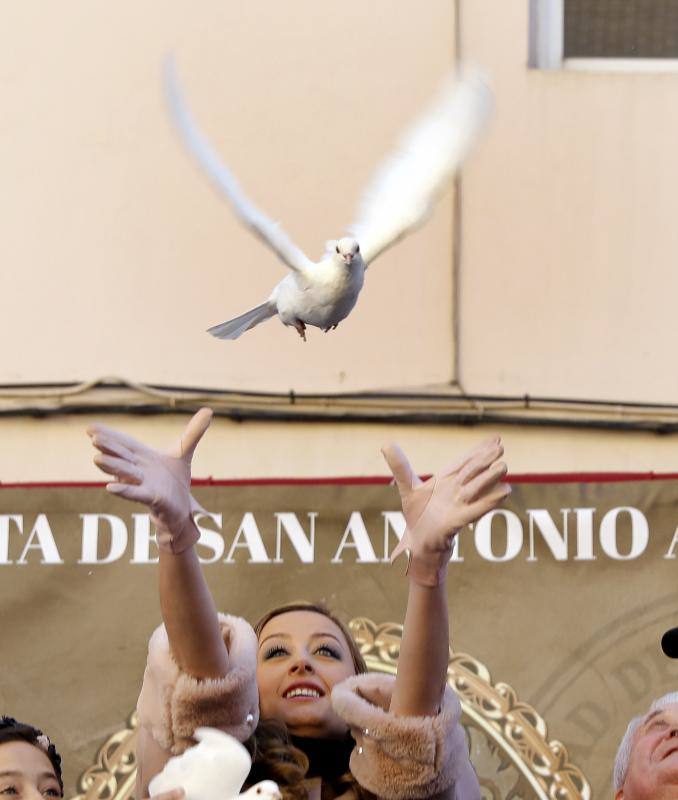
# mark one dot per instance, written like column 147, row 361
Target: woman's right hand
column 160, row 480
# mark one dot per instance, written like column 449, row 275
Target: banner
column 562, row 594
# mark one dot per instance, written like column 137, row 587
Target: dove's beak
column 348, row 258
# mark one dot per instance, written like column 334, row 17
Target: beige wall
column 570, row 244
column 118, row 254
column 117, row 251
column 57, row 449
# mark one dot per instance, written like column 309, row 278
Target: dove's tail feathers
column 233, row 328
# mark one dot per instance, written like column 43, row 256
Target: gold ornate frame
column 514, row 729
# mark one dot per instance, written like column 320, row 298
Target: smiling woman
column 294, row 691
column 304, row 650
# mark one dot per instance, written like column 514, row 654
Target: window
column 604, row 34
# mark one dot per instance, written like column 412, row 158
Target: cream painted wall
column 570, row 242
column 57, row 449
column 117, row 254
column 116, row 251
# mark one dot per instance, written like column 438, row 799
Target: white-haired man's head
column 646, row 765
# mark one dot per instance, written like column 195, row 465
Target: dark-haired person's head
column 30, row 767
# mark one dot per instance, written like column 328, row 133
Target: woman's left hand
column 437, row 508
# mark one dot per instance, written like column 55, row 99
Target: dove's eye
column 357, row 248
column 337, row 248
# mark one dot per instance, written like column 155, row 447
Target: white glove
column 436, row 509
column 160, row 480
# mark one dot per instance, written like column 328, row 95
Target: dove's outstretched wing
column 405, row 187
column 224, row 180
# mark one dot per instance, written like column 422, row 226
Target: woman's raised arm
column 434, row 511
column 162, row 481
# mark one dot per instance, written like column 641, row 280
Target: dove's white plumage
column 267, row 230
column 215, row 769
column 404, row 188
column 397, row 200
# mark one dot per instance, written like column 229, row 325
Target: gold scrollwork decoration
column 113, row 774
column 511, row 726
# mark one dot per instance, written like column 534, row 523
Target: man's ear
column 620, row 794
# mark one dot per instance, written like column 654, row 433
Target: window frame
column 547, row 39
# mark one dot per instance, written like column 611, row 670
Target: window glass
column 621, row 29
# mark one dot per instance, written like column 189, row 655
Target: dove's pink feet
column 301, row 329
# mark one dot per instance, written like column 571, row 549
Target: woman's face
column 26, row 773
column 302, row 654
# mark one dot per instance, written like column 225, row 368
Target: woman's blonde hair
column 274, row 755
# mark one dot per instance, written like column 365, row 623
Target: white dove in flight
column 398, row 199
column 215, row 769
